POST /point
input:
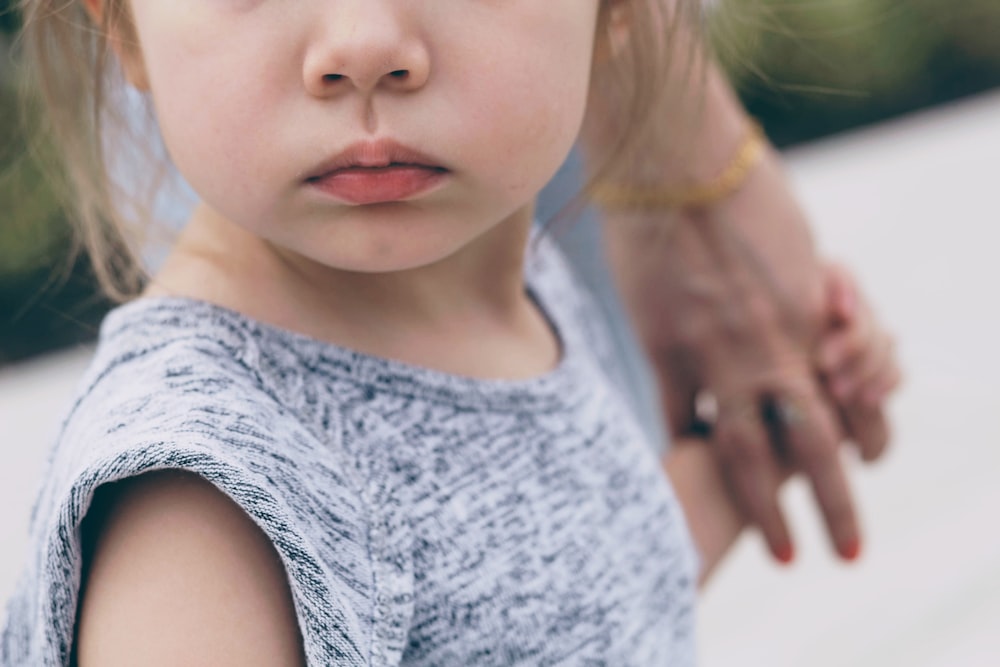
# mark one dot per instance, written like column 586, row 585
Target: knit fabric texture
column 422, row 518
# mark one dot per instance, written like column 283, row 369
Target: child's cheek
column 505, row 114
column 215, row 96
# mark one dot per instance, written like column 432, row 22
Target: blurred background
column 889, row 111
column 806, row 68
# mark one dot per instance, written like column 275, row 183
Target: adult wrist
column 728, row 180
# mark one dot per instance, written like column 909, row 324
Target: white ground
column 912, row 206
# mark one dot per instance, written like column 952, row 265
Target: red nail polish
column 851, row 550
column 785, row 553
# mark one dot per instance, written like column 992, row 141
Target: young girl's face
column 367, row 135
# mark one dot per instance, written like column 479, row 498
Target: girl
column 360, row 416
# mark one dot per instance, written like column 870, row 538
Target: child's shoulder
column 219, row 561
column 177, row 383
column 175, row 371
column 185, row 385
column 182, row 386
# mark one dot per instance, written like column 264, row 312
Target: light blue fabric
column 581, row 241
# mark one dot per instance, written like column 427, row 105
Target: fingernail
column 785, row 553
column 851, row 549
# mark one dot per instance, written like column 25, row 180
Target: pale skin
column 179, row 574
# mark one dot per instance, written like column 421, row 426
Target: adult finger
column 749, row 465
column 808, row 430
column 677, row 393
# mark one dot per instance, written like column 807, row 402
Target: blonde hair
column 75, row 74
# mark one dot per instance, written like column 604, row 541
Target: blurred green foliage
column 47, row 297
column 9, row 19
column 34, row 225
column 806, row 68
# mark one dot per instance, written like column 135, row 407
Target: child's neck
column 468, row 314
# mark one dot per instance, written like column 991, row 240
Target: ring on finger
column 706, row 408
column 788, row 412
column 739, row 409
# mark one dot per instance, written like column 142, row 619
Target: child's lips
column 377, row 185
column 378, row 171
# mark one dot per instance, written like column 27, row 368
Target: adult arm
column 180, row 575
column 729, row 298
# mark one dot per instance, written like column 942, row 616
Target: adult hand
column 730, row 300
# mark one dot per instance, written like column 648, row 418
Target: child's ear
column 613, row 30
column 118, row 30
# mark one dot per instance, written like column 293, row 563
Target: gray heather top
column 422, row 518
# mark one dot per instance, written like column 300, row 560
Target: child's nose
column 367, row 44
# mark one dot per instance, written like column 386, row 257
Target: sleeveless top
column 422, row 518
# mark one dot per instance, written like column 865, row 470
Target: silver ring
column 706, row 408
column 788, row 413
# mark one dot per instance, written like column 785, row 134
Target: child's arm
column 181, row 576
column 858, row 362
column 713, row 517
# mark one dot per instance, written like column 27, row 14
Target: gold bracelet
column 729, row 181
